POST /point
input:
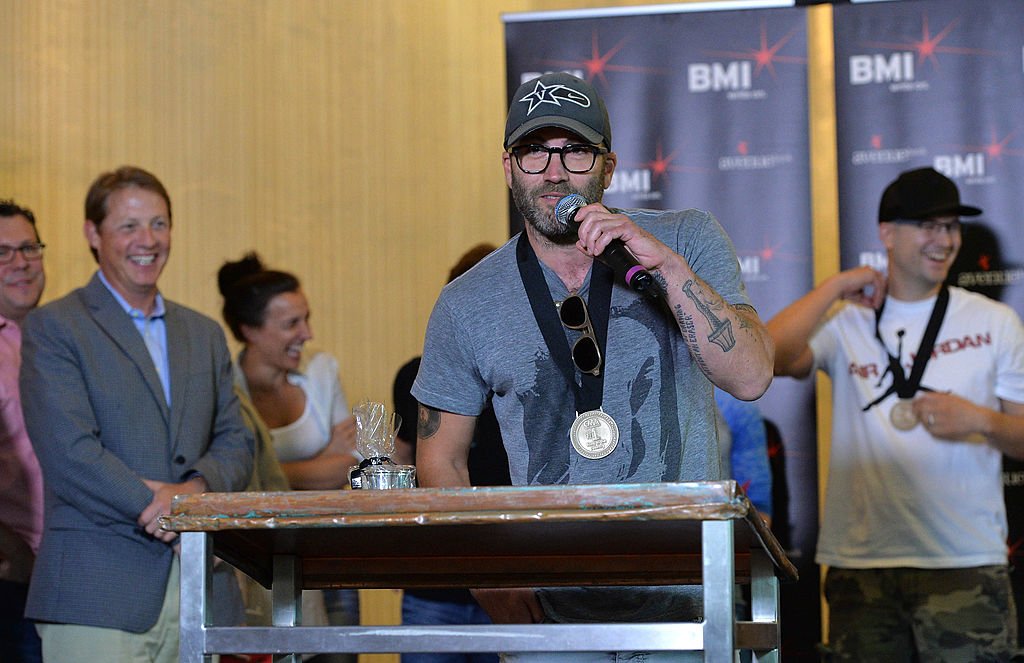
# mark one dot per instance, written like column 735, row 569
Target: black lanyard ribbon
column 903, row 386
column 588, row 395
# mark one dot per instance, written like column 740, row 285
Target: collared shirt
column 153, row 329
column 21, row 479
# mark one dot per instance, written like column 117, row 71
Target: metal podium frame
column 633, row 534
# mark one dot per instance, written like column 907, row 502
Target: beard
column 542, row 219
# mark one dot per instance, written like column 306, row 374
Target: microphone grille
column 566, row 208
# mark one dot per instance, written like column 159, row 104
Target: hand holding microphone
column 616, row 255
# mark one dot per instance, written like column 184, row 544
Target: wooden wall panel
column 354, row 143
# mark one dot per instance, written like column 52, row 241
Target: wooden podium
column 631, row 534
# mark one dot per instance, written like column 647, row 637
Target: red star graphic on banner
column 598, row 63
column 928, row 46
column 996, row 148
column 661, row 164
column 765, row 56
column 1015, row 547
column 771, row 250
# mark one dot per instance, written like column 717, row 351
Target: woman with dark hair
column 297, row 394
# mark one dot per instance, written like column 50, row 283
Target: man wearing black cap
column 592, row 382
column 927, row 394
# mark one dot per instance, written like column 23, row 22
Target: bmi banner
column 939, row 83
column 709, row 110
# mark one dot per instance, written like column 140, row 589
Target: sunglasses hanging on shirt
column 593, row 433
column 573, row 313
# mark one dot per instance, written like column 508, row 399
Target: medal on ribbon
column 594, row 434
column 902, row 414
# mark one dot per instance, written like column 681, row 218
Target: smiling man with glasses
column 592, row 382
column 21, row 481
column 128, row 400
column 914, row 529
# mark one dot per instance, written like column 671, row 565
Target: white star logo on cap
column 554, row 94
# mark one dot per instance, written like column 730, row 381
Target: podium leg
column 286, row 598
column 719, row 567
column 196, row 570
column 764, row 601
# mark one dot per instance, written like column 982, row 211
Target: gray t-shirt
column 483, row 338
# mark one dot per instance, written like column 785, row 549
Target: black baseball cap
column 921, row 194
column 558, row 100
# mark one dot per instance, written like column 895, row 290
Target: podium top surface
column 485, row 536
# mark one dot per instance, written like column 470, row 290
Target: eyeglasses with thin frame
column 576, row 159
column 28, row 252
column 573, row 313
column 931, row 227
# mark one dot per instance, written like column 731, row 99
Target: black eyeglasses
column 576, row 159
column 585, row 353
column 932, row 227
column 28, row 252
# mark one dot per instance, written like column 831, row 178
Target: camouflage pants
column 926, row 615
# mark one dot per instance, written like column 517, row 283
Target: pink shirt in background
column 21, row 479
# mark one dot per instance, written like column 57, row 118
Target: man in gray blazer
column 128, row 401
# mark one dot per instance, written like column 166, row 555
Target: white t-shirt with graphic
column 905, row 498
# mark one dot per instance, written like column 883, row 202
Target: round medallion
column 594, row 434
column 902, row 414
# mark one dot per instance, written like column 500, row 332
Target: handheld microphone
column 616, row 255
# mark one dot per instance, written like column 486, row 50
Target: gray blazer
column 97, row 417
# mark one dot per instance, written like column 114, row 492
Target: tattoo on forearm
column 721, row 330
column 428, row 422
column 660, row 280
column 744, row 322
column 690, row 338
